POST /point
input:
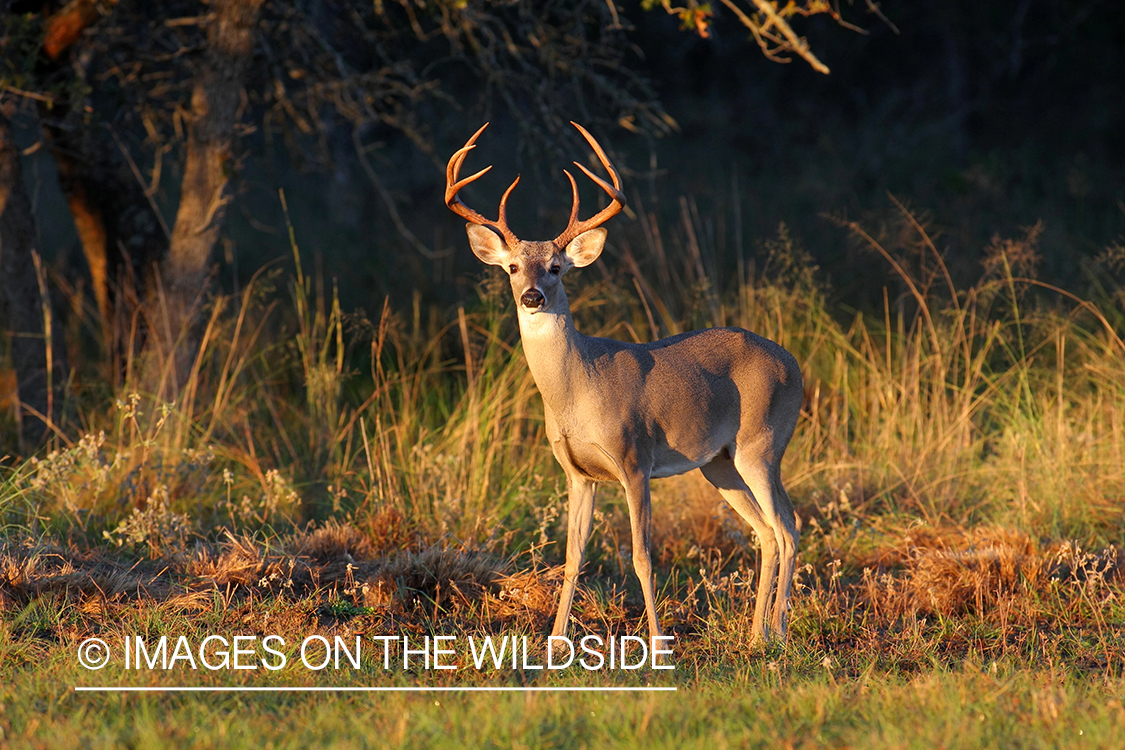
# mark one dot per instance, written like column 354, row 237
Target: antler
column 453, row 185
column 576, row 227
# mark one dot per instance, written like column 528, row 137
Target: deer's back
column 715, row 358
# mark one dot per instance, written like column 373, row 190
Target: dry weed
column 437, row 573
column 690, row 515
column 529, row 594
column 952, row 571
column 29, row 572
column 331, row 542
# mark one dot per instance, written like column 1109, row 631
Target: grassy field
column 958, row 469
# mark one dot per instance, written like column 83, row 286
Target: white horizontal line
column 364, row 689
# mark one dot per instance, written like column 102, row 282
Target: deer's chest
column 586, row 459
column 582, row 445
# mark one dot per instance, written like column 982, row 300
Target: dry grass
column 529, row 595
column 989, row 577
column 32, row 571
column 332, row 563
column 952, row 572
column 331, row 541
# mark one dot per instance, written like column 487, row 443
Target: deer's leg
column 640, row 519
column 579, row 521
column 789, row 536
column 764, row 480
column 721, row 472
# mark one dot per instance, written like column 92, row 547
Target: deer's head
column 535, row 267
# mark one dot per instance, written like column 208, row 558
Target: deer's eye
column 513, row 268
column 555, row 269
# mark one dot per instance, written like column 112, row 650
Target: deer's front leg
column 579, row 522
column 640, row 520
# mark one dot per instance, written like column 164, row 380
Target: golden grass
column 1001, row 402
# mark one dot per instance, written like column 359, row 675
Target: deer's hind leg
column 763, row 477
column 722, row 473
column 791, row 536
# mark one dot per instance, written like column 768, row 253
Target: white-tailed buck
column 724, row 400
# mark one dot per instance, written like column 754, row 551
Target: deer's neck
column 555, row 354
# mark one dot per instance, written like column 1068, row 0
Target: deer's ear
column 487, row 245
column 586, row 247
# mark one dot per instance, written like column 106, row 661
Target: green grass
column 798, row 699
column 956, row 709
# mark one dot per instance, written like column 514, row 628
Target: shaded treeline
column 983, row 120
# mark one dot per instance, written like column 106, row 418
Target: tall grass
column 1000, row 401
column 972, row 404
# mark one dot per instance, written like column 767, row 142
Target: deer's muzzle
column 532, row 299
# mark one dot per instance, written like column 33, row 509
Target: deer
column 723, row 400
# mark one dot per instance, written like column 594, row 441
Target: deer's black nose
column 532, row 298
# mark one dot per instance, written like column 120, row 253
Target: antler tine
column 503, row 215
column 573, row 197
column 458, row 158
column 601, row 157
column 453, row 185
column 576, row 227
column 456, row 186
column 614, row 191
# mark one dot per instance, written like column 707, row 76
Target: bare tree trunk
column 38, row 354
column 120, row 232
column 216, row 98
column 89, row 221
